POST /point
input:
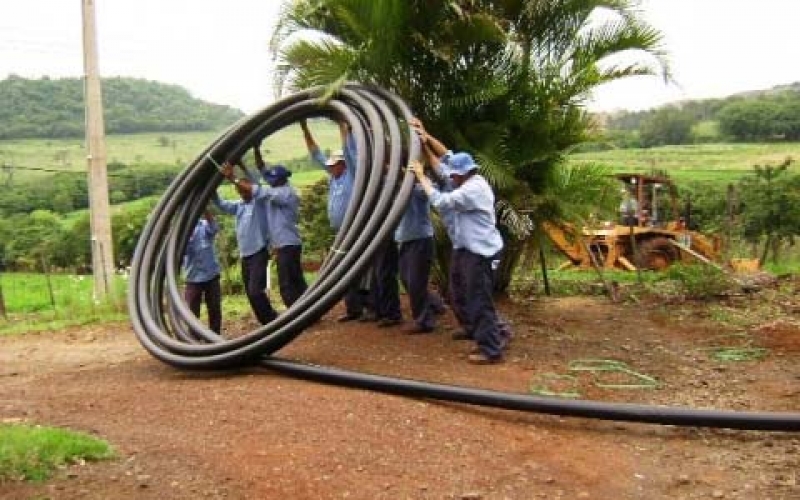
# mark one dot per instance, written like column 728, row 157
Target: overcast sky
column 218, row 50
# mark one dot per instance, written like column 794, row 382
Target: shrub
column 700, row 282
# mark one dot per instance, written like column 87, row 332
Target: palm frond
column 332, row 62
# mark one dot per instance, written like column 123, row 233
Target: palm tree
column 505, row 79
column 403, row 46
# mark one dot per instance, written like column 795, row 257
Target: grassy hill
column 55, row 108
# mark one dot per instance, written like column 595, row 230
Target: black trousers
column 254, row 277
column 415, row 261
column 291, row 280
column 211, row 291
column 384, row 290
column 471, row 286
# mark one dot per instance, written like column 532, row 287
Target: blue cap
column 276, row 173
column 460, row 164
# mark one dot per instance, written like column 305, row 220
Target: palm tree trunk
column 512, row 252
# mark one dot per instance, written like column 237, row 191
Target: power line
column 132, row 175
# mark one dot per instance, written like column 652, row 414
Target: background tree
column 126, row 227
column 506, row 80
column 35, row 237
column 749, row 120
column 667, row 126
column 771, row 203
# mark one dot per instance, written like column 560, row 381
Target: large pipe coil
column 379, row 121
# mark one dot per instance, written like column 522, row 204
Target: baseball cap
column 460, row 164
column 336, row 157
column 276, row 173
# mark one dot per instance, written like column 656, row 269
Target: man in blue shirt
column 476, row 246
column 414, row 235
column 282, row 208
column 202, row 271
column 341, row 169
column 252, row 235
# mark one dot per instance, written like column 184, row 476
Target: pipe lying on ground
column 379, row 122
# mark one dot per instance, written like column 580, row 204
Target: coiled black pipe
column 380, row 125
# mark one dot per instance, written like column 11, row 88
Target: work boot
column 348, row 317
column 482, row 359
column 387, row 322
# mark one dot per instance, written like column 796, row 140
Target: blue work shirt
column 200, row 260
column 339, row 189
column 252, row 230
column 471, row 206
column 416, row 221
column 446, row 186
column 282, row 206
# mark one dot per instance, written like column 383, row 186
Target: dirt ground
column 253, row 434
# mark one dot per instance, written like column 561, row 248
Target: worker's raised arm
column 344, row 132
column 260, row 164
column 310, row 142
column 427, row 139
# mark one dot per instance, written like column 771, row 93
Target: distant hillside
column 699, row 110
column 46, row 108
column 747, row 94
column 778, row 89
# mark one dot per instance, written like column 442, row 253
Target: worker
column 341, row 169
column 202, row 271
column 476, row 246
column 414, row 236
column 282, row 209
column 252, row 235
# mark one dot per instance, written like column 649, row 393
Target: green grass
column 30, row 309
column 573, row 281
column 30, row 292
column 719, row 162
column 49, row 322
column 30, row 306
column 146, row 149
column 33, row 453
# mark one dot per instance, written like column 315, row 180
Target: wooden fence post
column 2, row 303
column 49, row 283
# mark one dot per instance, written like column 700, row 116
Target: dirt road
column 252, row 434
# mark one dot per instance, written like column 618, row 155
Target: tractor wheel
column 656, row 254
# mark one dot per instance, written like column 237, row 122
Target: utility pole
column 99, row 210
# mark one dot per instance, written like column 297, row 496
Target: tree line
column 762, row 210
column 65, row 192
column 43, row 239
column 760, row 116
column 54, row 108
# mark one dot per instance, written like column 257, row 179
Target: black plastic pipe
column 380, row 125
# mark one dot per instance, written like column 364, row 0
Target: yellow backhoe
column 651, row 232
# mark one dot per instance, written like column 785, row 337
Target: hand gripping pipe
column 380, row 125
